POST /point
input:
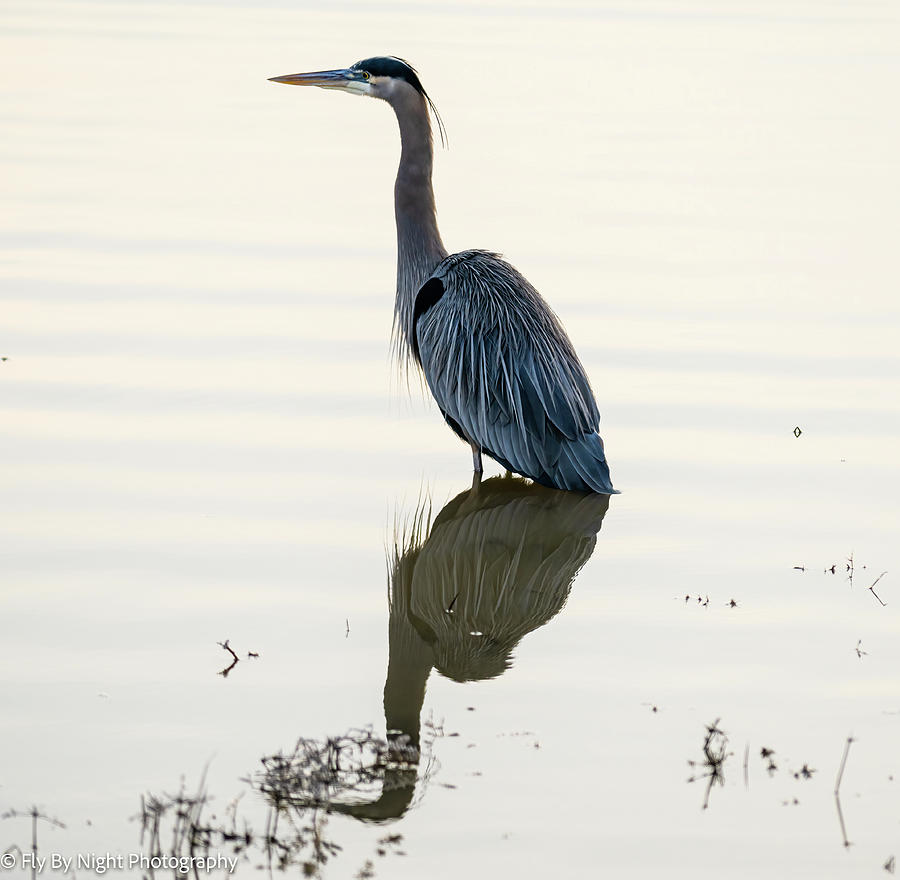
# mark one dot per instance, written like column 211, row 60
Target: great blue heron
column 494, row 355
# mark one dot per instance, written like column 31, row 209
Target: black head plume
column 389, row 65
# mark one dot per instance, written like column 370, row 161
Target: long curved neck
column 419, row 245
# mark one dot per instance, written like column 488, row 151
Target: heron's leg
column 476, row 457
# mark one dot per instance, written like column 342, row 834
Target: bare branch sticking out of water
column 872, row 588
column 226, row 645
column 235, row 659
column 837, row 791
column 840, row 776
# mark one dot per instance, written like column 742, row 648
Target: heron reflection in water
column 496, row 358
column 494, row 565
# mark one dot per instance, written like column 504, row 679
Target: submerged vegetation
column 355, row 774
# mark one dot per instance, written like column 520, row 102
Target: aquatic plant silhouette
column 300, row 788
column 715, row 753
column 36, row 815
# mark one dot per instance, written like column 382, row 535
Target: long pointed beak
column 326, row 79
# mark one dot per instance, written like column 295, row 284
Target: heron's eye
column 365, row 74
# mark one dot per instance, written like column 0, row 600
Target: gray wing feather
column 499, row 363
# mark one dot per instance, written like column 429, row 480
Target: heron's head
column 391, row 79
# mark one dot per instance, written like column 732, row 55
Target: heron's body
column 495, row 357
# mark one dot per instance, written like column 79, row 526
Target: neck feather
column 419, row 245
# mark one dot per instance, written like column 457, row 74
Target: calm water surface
column 204, row 439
